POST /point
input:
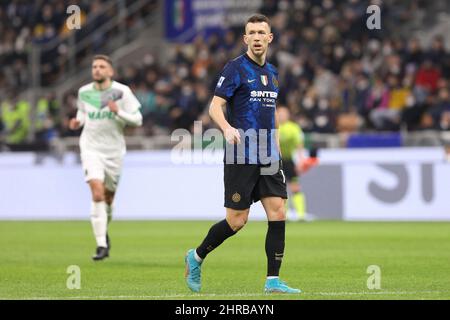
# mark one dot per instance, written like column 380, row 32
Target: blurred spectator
column 15, row 117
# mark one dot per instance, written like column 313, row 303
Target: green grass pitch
column 326, row 259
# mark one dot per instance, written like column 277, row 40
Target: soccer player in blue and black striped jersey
column 248, row 88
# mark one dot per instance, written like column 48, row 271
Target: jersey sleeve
column 80, row 104
column 228, row 82
column 130, row 103
column 81, row 110
column 130, row 109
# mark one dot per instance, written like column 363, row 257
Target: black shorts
column 244, row 184
column 289, row 170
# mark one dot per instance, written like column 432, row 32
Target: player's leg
column 296, row 196
column 239, row 180
column 109, row 200
column 298, row 199
column 271, row 190
column 99, row 218
column 275, row 243
column 235, row 220
column 217, row 234
column 94, row 170
column 113, row 169
column 276, row 216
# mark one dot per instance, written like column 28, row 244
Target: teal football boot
column 193, row 271
column 277, row 286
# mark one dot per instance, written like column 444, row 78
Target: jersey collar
column 110, row 86
column 253, row 61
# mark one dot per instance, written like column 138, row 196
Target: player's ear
column 245, row 39
column 270, row 37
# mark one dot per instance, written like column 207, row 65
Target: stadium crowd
column 335, row 74
column 27, row 24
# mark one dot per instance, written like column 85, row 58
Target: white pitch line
column 239, row 295
column 374, row 293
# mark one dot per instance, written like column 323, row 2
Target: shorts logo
column 264, row 80
column 219, row 83
column 236, row 197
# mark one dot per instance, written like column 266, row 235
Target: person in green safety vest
column 16, row 121
column 291, row 145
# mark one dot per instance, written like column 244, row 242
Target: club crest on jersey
column 264, row 80
column 275, row 81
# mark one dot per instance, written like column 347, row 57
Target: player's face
column 257, row 37
column 283, row 114
column 101, row 70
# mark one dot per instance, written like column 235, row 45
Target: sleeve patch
column 219, row 83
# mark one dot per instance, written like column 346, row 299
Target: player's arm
column 300, row 157
column 300, row 151
column 130, row 118
column 228, row 83
column 130, row 113
column 216, row 113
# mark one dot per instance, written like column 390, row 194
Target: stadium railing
column 317, row 140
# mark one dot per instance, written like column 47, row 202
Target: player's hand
column 113, row 106
column 74, row 124
column 309, row 163
column 232, row 135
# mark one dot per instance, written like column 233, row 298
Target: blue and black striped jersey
column 251, row 92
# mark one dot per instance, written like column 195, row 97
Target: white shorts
column 100, row 167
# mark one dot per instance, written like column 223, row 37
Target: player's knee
column 98, row 195
column 237, row 222
column 238, row 225
column 278, row 212
column 241, row 222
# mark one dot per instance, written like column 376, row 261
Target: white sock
column 199, row 260
column 99, row 221
column 272, row 277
